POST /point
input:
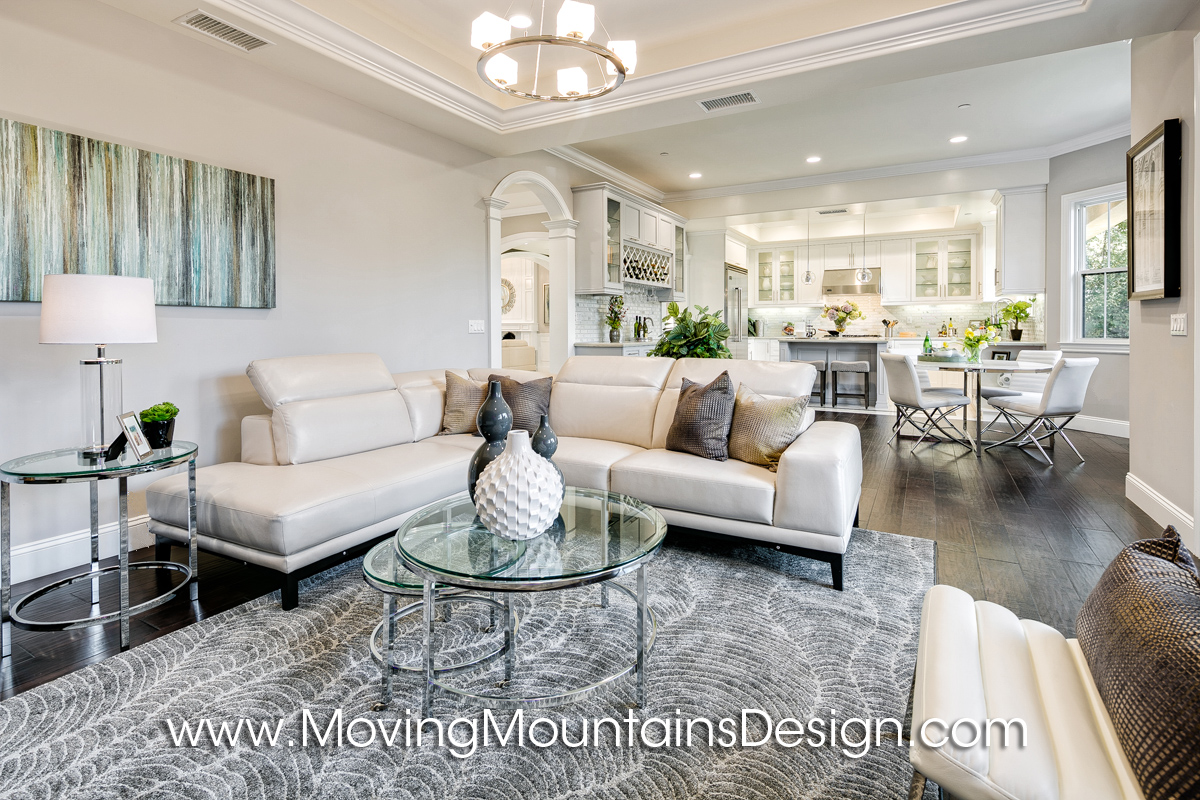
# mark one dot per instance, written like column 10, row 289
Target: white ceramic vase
column 518, row 495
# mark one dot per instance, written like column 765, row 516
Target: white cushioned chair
column 910, row 391
column 349, row 451
column 1052, row 410
column 518, row 354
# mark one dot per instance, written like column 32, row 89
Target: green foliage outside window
column 1105, row 301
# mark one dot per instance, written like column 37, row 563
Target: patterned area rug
column 738, row 628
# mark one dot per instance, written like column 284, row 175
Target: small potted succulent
column 1016, row 313
column 614, row 318
column 158, row 423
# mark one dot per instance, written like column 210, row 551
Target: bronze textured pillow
column 763, row 427
column 1140, row 632
column 702, row 419
column 528, row 401
column 463, row 399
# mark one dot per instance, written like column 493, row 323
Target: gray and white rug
column 739, row 628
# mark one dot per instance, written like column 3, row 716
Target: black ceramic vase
column 545, row 444
column 159, row 434
column 494, row 421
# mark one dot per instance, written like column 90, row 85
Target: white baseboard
column 36, row 559
column 1109, row 427
column 1161, row 510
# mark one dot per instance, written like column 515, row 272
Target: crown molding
column 898, row 34
column 608, row 172
column 899, row 170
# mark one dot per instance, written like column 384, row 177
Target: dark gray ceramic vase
column 494, row 421
column 545, row 444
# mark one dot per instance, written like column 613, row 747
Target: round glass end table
column 598, row 536
column 72, row 466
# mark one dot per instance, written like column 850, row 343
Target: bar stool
column 858, row 367
column 819, row 366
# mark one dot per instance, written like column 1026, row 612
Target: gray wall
column 1104, row 164
column 381, row 235
column 1161, row 374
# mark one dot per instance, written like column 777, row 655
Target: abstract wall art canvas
column 71, row 204
column 1154, row 174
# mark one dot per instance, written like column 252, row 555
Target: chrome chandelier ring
column 556, row 41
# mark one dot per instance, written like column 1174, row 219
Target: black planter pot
column 1016, row 334
column 494, row 421
column 159, row 434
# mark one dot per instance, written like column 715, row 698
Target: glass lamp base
column 102, row 403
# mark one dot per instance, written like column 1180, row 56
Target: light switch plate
column 1179, row 324
column 475, row 326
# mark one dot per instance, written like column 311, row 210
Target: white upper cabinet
column 1021, row 240
column 649, row 232
column 895, row 268
column 623, row 239
column 944, row 269
column 736, row 253
column 851, row 255
column 837, row 256
column 631, row 221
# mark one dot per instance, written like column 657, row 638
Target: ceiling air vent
column 728, row 101
column 834, row 211
column 220, row 29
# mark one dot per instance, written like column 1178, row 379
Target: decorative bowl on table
column 946, row 357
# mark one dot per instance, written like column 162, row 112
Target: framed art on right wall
column 1154, row 174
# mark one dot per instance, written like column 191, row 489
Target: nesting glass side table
column 71, row 466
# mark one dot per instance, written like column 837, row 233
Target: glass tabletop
column 382, row 566
column 70, row 464
column 985, row 365
column 597, row 535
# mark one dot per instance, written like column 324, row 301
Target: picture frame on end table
column 1154, row 180
column 132, row 427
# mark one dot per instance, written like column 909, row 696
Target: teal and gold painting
column 72, row 204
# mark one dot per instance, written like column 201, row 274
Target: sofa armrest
column 819, row 480
column 258, row 443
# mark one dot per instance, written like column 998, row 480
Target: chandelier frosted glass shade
column 488, row 29
column 626, row 51
column 576, row 20
column 572, row 82
column 502, row 70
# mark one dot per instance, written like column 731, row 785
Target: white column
column 494, row 206
column 562, row 291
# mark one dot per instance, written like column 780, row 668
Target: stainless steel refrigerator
column 737, row 308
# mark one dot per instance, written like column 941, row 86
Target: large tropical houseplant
column 699, row 336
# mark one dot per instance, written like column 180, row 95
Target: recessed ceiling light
column 694, row 175
column 813, row 159
column 964, row 106
column 958, row 140
column 520, row 21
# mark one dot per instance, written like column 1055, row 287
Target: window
column 1096, row 250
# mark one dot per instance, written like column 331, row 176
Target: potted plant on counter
column 702, row 336
column 158, row 423
column 614, row 318
column 1016, row 313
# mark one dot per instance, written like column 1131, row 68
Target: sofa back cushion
column 1139, row 630
column 331, row 405
column 424, row 393
column 609, row 397
column 768, row 378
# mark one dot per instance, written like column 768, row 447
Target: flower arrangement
column 975, row 340
column 842, row 315
column 616, row 312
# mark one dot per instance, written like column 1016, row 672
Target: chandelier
column 521, row 66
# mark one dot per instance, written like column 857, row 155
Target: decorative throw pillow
column 1140, row 632
column 702, row 419
column 528, row 401
column 463, row 399
column 763, row 427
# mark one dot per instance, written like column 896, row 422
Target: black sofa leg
column 289, row 592
column 162, row 548
column 835, row 566
column 856, row 510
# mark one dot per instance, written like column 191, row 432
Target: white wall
column 380, row 231
column 1091, row 168
column 1161, row 367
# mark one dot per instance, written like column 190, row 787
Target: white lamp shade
column 488, row 29
column 576, row 20
column 501, row 70
column 97, row 309
column 627, row 52
column 572, row 81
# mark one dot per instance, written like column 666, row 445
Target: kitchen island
column 843, row 348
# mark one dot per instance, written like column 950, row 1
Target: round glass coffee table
column 598, row 536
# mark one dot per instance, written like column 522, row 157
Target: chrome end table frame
column 11, row 612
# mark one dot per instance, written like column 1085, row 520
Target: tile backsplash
column 913, row 318
column 590, row 310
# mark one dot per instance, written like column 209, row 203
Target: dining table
column 978, row 368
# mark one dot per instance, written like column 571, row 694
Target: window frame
column 1071, row 318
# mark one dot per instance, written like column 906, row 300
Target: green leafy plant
column 616, row 312
column 163, row 412
column 1017, row 312
column 701, row 336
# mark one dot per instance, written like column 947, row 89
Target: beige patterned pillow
column 463, row 399
column 763, row 427
column 528, row 400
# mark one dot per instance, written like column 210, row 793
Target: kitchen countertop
column 613, row 344
column 876, row 339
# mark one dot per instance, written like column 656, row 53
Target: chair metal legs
column 933, row 422
column 1028, row 435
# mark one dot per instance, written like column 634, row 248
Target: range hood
column 843, row 281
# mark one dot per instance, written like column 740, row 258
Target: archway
column 561, row 229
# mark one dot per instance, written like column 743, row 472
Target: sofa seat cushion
column 286, row 509
column 464, row 441
column 978, row 661
column 728, row 489
column 587, row 462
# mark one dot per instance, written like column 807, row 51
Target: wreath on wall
column 508, row 295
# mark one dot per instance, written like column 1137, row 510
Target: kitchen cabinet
column 851, row 255
column 679, row 294
column 775, row 276
column 649, row 231
column 631, row 222
column 895, row 271
column 1020, row 240
column 944, row 269
column 666, row 233
column 622, row 239
column 736, row 253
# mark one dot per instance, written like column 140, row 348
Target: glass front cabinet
column 623, row 239
column 944, row 269
column 775, row 276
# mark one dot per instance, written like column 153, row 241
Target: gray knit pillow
column 702, row 419
column 528, row 400
column 763, row 427
column 463, row 399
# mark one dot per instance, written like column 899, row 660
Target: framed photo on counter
column 1153, row 175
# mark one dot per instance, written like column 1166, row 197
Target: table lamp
column 98, row 310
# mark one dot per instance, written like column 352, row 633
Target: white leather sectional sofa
column 349, row 451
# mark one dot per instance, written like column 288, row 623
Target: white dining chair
column 911, row 395
column 1012, row 384
column 1050, row 411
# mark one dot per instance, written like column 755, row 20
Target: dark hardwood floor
column 1008, row 529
